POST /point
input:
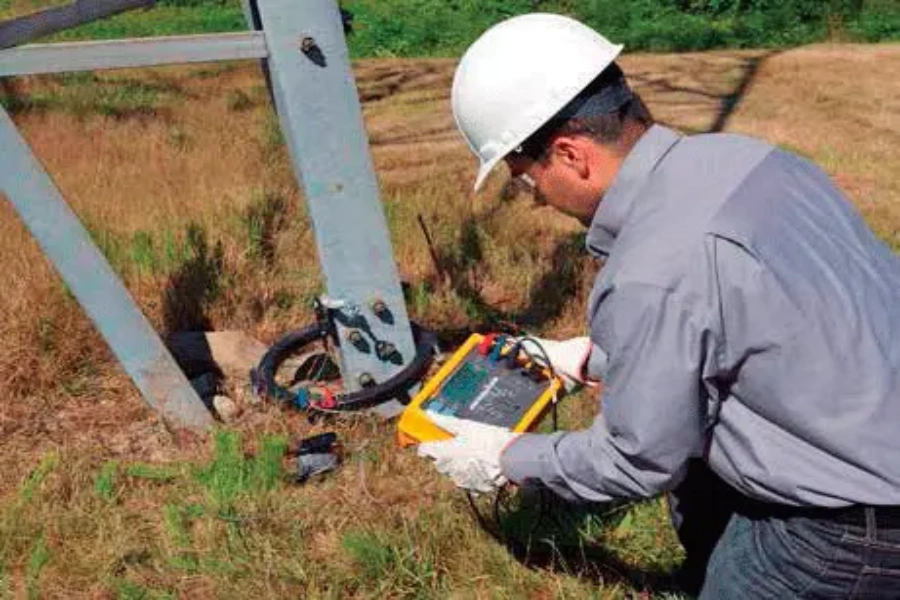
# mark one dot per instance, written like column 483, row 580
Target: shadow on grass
column 194, row 285
column 543, row 532
column 595, row 563
column 698, row 95
column 730, row 102
column 266, row 216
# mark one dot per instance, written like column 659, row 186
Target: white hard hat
column 517, row 75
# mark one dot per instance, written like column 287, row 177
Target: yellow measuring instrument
column 490, row 379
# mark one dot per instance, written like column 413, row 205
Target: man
column 745, row 326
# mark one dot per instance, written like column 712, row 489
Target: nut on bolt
column 381, row 310
column 379, row 307
column 307, row 43
column 354, row 337
column 366, row 380
column 385, row 350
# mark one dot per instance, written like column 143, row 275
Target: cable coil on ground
column 292, row 343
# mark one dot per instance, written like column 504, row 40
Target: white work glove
column 472, row 458
column 567, row 357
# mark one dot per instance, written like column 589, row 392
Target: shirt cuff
column 525, row 459
column 596, row 364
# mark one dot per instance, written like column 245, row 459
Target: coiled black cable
column 290, row 344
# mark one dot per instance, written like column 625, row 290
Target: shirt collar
column 616, row 204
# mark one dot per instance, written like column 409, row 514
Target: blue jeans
column 739, row 549
column 803, row 557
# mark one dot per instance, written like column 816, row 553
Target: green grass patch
column 105, row 482
column 151, row 472
column 40, row 556
column 162, row 252
column 393, row 563
column 265, row 468
column 226, row 476
column 154, row 253
column 231, row 474
column 271, row 138
column 238, row 101
column 430, row 27
column 210, row 17
column 229, row 521
column 84, row 94
column 177, row 523
column 878, row 21
column 261, row 221
column 36, row 478
column 128, row 590
column 642, row 537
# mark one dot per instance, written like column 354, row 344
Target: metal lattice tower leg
column 307, row 66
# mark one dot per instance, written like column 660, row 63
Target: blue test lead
column 499, row 342
column 301, row 399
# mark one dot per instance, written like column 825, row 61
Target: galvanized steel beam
column 93, row 282
column 142, row 52
column 46, row 22
column 318, row 106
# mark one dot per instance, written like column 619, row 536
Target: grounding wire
column 496, row 529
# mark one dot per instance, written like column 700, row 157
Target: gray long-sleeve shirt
column 750, row 317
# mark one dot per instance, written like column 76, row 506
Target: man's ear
column 571, row 152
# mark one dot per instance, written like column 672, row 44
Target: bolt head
column 307, row 43
column 379, row 307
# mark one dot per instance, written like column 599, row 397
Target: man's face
column 566, row 178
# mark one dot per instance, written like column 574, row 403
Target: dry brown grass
column 202, row 149
column 14, row 8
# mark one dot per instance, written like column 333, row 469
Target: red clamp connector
column 328, row 401
column 484, row 346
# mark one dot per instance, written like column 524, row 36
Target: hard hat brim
column 495, row 100
column 483, row 171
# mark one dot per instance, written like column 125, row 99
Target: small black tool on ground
column 316, row 455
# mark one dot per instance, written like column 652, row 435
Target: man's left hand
column 472, row 458
column 568, row 358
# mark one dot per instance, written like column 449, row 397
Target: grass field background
column 182, row 177
column 416, row 28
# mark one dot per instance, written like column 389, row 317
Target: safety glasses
column 525, row 182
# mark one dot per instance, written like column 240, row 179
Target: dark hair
column 609, row 128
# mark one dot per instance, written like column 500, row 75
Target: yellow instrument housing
column 517, row 395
